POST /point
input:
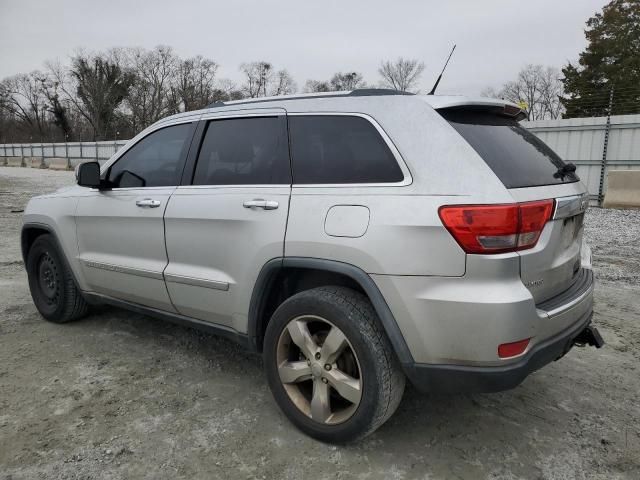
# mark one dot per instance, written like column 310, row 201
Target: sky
column 311, row 39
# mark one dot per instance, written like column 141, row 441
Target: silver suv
column 354, row 239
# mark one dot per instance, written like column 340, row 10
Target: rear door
column 531, row 171
column 229, row 217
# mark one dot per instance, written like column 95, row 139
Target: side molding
column 198, row 282
column 138, row 272
column 271, row 268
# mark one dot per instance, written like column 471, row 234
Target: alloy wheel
column 319, row 369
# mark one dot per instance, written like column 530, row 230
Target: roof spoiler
column 504, row 110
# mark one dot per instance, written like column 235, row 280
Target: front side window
column 244, row 151
column 155, row 161
column 328, row 149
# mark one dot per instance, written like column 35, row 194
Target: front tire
column 330, row 366
column 51, row 283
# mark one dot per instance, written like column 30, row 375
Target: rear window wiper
column 565, row 170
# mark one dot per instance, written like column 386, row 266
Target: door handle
column 260, row 203
column 148, row 203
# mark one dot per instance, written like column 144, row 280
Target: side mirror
column 88, row 174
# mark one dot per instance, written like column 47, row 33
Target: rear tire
column 345, row 381
column 53, row 290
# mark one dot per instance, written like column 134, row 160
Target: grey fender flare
column 36, row 226
column 269, row 272
column 52, row 232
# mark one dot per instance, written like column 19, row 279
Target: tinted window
column 244, row 151
column 155, row 161
column 340, row 149
column 516, row 156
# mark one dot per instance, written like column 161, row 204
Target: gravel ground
column 120, row 395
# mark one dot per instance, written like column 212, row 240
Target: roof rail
column 359, row 92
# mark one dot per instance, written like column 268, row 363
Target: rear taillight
column 497, row 228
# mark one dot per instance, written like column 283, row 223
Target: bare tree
column 66, row 86
column 537, row 89
column 524, row 90
column 229, row 90
column 23, row 98
column 5, row 116
column 551, row 92
column 120, row 91
column 57, row 107
column 123, row 90
column 261, row 80
column 149, row 97
column 95, row 85
column 339, row 81
column 193, row 85
column 313, row 86
column 101, row 87
column 283, row 83
column 258, row 77
column 347, row 81
column 403, row 74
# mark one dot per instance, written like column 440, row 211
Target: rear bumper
column 453, row 326
column 458, row 378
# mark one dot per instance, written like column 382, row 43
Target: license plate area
column 571, row 228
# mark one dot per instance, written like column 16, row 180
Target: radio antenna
column 433, row 90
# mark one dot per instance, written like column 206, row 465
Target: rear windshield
column 516, row 156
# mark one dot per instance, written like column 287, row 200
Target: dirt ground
column 123, row 396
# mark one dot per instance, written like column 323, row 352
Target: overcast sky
column 312, row 39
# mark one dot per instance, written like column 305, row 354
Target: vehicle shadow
column 167, row 334
column 545, row 409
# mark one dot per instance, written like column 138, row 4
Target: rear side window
column 516, row 156
column 244, row 151
column 155, row 161
column 339, row 149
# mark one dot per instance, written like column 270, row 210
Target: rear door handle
column 148, row 203
column 260, row 203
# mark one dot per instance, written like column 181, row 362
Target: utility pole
column 603, row 163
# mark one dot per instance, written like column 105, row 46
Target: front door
column 230, row 220
column 121, row 230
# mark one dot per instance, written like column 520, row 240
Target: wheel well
column 291, row 280
column 29, row 236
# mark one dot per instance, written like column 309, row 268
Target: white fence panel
column 78, row 151
column 581, row 141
